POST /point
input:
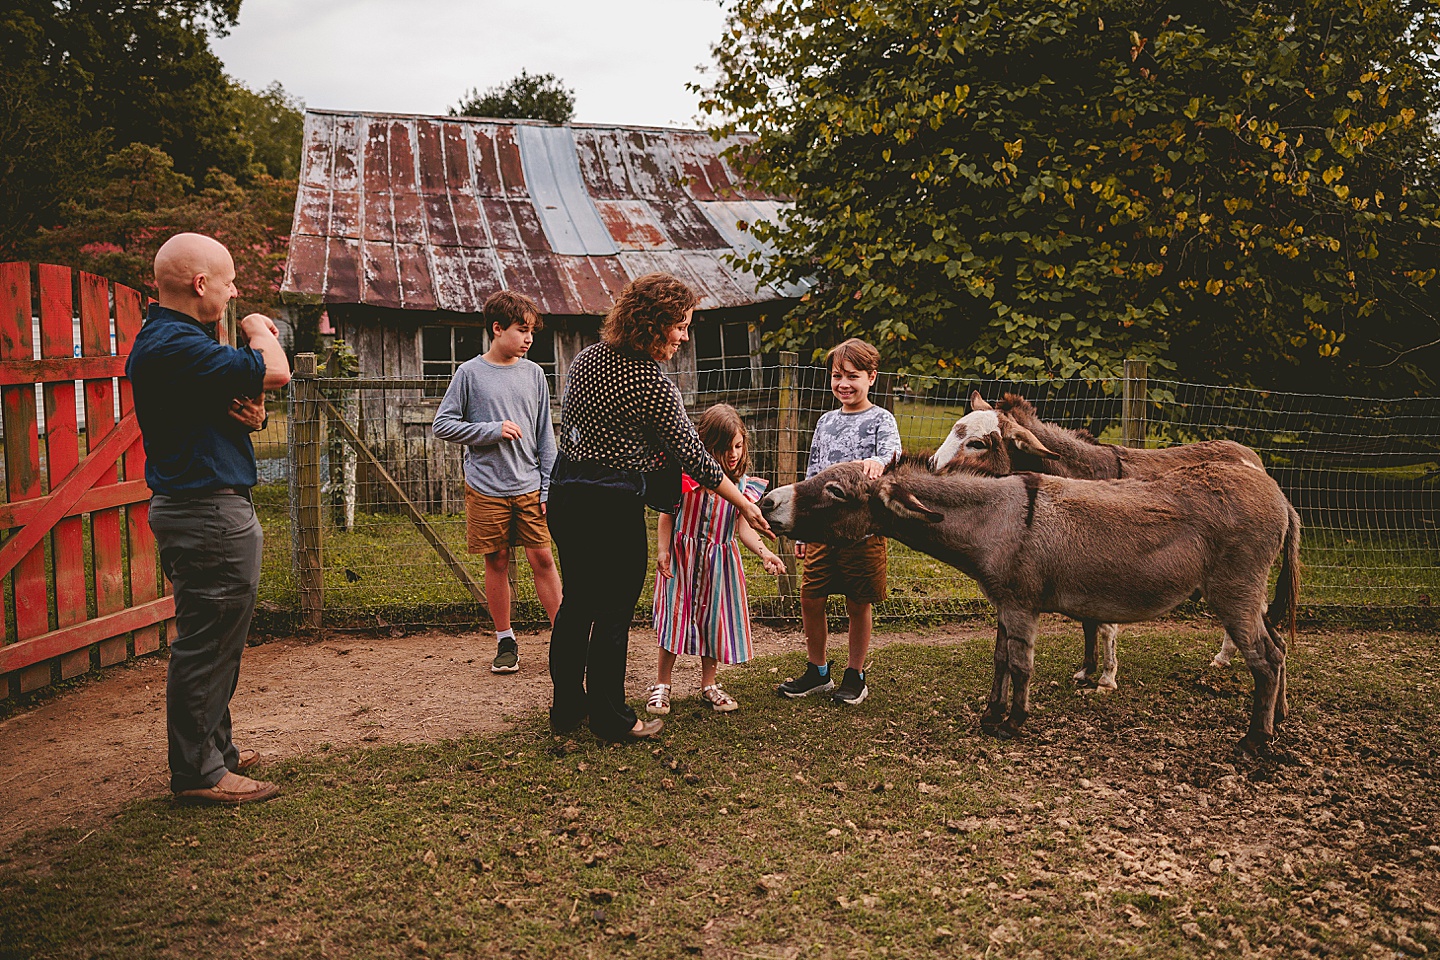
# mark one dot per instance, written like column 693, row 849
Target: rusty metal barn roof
column 437, row 213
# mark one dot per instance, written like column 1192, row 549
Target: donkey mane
column 1023, row 410
column 923, row 462
column 911, row 460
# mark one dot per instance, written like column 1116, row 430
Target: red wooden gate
column 56, row 616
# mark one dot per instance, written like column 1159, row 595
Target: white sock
column 502, row 634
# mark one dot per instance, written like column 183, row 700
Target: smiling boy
column 498, row 405
column 859, row 430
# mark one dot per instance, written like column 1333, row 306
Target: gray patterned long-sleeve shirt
column 841, row 437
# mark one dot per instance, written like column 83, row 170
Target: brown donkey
column 1010, row 437
column 1116, row 551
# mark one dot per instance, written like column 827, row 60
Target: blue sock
column 824, row 669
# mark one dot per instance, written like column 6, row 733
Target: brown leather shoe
column 250, row 791
column 248, row 759
column 648, row 729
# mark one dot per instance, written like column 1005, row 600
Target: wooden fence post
column 1133, row 425
column 306, row 434
column 787, row 459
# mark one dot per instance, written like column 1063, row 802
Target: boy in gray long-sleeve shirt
column 498, row 405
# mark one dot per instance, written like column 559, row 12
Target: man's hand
column 873, row 469
column 249, row 411
column 510, row 430
column 662, row 563
column 254, row 323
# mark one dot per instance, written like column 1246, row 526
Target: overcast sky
column 628, row 61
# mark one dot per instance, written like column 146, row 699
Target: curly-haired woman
column 623, row 434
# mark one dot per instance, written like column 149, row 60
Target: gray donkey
column 1010, row 437
column 1111, row 552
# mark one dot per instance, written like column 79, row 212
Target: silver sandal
column 659, row 702
column 719, row 700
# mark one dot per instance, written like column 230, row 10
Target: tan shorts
column 493, row 524
column 856, row 570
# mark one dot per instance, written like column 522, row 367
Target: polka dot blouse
column 619, row 409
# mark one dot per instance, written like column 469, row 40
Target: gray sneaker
column 808, row 682
column 507, row 657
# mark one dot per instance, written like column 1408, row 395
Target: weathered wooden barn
column 404, row 225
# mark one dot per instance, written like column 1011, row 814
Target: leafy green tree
column 1240, row 193
column 139, row 201
column 79, row 77
column 274, row 124
column 530, row 96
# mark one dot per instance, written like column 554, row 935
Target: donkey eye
column 975, row 445
column 835, row 490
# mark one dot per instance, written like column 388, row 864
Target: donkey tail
column 1287, row 587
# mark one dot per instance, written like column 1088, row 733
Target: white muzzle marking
column 977, row 423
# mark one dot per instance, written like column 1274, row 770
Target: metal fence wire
column 1364, row 474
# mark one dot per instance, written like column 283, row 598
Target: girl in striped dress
column 700, row 602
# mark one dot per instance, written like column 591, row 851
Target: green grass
column 1120, row 827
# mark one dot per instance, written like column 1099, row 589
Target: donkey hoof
column 1081, row 676
column 1220, row 662
column 1008, row 731
column 1252, row 747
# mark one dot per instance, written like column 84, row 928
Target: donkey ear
column 903, row 503
column 977, row 402
column 1029, row 443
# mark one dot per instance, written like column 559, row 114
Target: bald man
column 200, row 466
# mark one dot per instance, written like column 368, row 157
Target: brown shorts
column 493, row 524
column 857, row 571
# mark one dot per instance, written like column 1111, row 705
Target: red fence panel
column 62, row 455
column 22, row 460
column 48, row 493
column 107, row 554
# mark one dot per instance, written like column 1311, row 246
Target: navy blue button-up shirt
column 183, row 381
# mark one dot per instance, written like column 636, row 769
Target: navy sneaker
column 808, row 682
column 852, row 690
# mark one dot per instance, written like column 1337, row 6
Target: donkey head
column 831, row 507
column 842, row 505
column 988, row 438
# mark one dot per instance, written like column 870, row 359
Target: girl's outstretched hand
column 756, row 519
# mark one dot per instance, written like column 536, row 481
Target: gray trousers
column 210, row 551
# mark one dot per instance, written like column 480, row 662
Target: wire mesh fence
column 1363, row 473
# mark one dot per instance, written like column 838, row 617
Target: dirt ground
column 76, row 758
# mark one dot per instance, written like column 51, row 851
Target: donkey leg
column 1087, row 668
column 1254, row 641
column 1282, row 702
column 994, row 713
column 1021, row 628
column 1106, row 682
column 1225, row 653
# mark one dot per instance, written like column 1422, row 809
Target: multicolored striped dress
column 702, row 610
